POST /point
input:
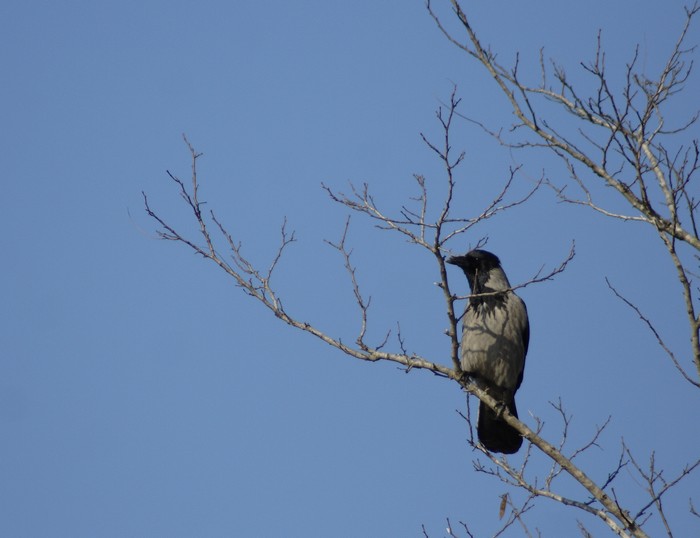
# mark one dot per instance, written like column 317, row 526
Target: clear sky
column 142, row 394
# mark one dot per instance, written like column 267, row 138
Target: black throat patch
column 487, row 300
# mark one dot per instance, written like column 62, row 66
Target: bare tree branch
column 652, row 477
column 361, row 302
column 656, row 334
column 631, row 158
column 258, row 285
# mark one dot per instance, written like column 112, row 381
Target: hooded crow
column 495, row 336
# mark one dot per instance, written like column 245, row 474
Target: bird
column 495, row 338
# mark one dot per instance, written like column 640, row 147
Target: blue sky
column 142, row 394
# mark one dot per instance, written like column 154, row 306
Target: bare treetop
column 620, row 139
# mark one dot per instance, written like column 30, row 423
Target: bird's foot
column 499, row 408
column 466, row 377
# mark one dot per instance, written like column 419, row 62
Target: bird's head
column 483, row 270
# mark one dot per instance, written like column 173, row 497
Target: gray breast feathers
column 495, row 340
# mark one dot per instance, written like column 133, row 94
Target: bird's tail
column 495, row 433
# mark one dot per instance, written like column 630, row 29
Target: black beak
column 459, row 261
